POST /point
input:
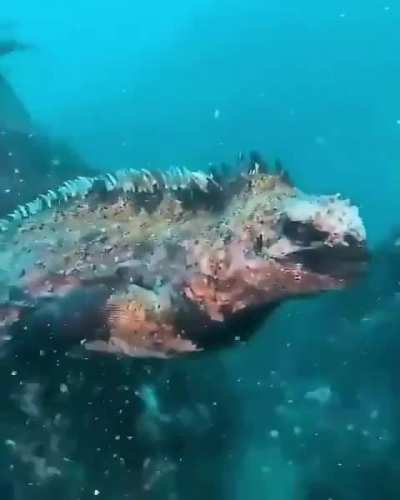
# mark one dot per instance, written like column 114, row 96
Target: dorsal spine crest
column 127, row 180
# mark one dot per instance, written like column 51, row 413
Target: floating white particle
column 96, row 493
column 374, row 414
column 217, row 114
column 14, row 373
column 386, row 7
column 274, row 434
column 321, row 394
column 297, row 430
column 320, row 140
column 64, row 388
column 398, row 121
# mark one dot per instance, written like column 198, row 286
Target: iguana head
column 272, row 243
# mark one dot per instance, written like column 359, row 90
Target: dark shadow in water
column 128, row 429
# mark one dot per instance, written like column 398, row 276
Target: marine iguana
column 163, row 263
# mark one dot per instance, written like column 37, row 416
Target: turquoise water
column 309, row 409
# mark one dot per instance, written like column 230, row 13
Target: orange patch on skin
column 137, row 329
column 228, row 281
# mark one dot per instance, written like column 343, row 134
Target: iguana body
column 171, row 262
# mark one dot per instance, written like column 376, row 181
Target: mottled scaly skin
column 158, row 264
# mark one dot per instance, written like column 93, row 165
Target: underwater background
column 309, row 409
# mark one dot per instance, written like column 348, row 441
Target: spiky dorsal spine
column 126, row 180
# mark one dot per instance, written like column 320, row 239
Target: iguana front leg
column 141, row 323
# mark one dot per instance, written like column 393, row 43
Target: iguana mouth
column 342, row 262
